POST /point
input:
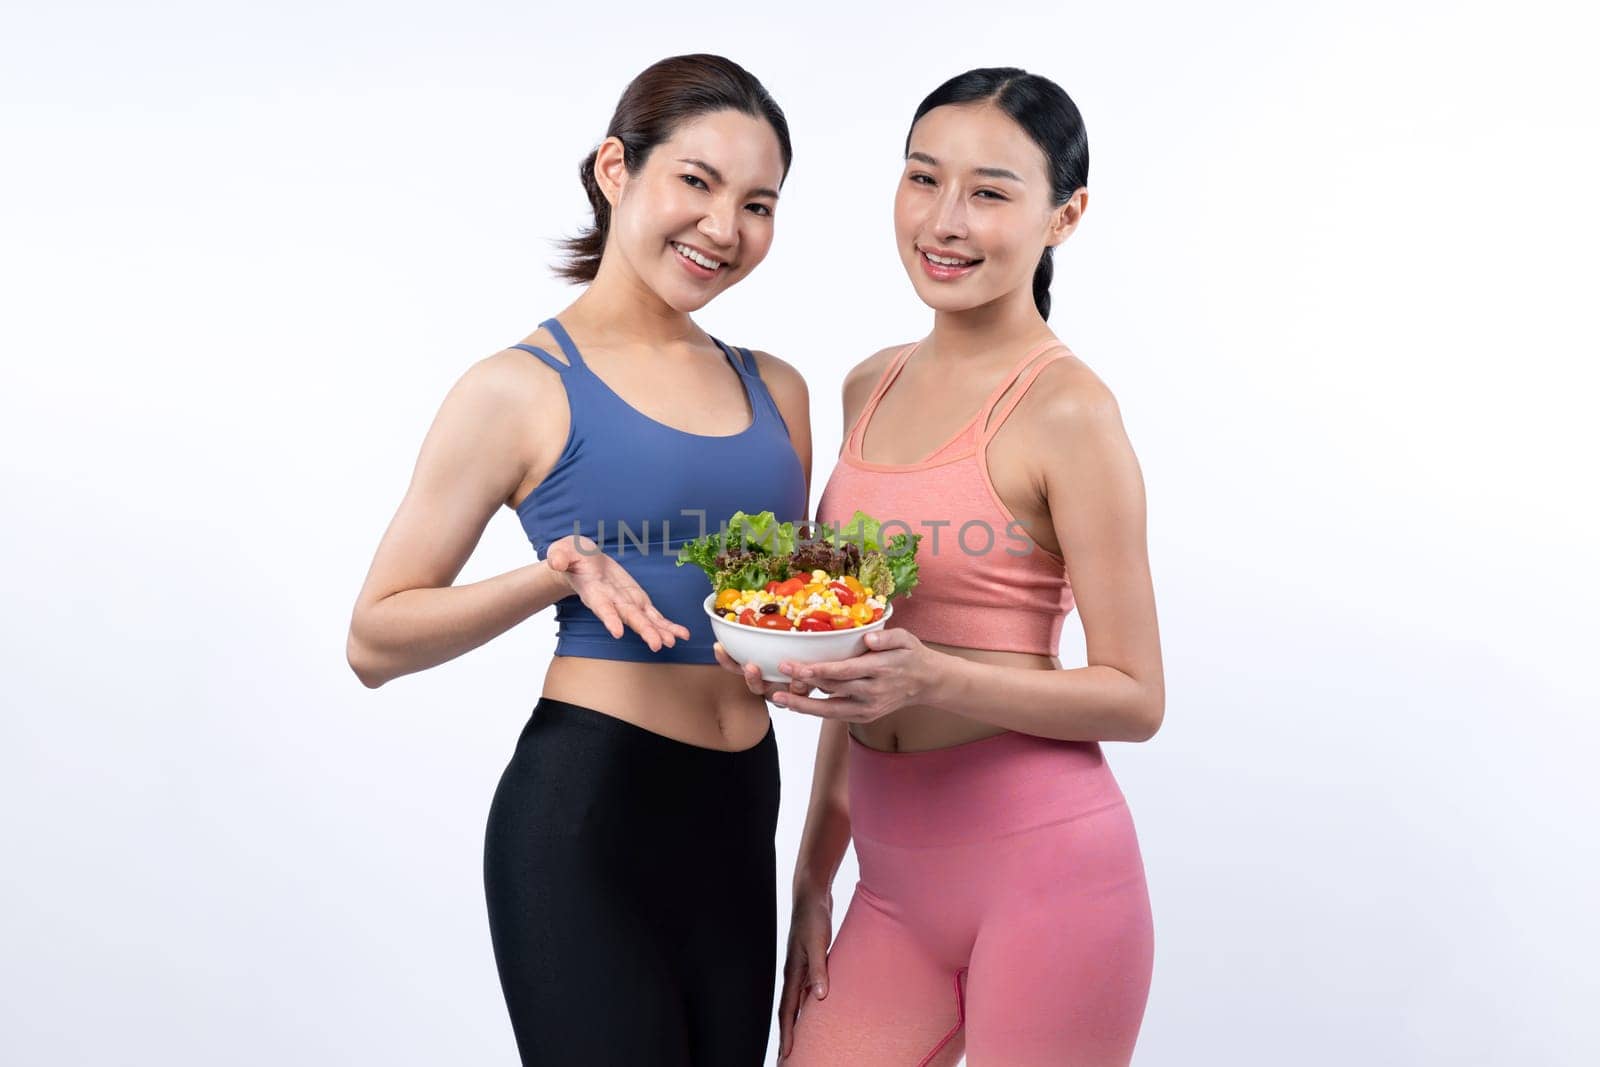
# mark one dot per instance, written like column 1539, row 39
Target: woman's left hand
column 897, row 670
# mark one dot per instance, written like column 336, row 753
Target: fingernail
column 821, row 990
column 780, row 698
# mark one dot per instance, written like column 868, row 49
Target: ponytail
column 1041, row 283
column 583, row 251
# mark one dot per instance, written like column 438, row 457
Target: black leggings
column 632, row 892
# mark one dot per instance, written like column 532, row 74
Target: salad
column 770, row 575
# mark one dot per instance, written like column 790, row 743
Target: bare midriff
column 699, row 704
column 919, row 727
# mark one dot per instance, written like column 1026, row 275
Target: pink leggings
column 1001, row 912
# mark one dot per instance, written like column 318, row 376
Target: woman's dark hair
column 653, row 106
column 1047, row 114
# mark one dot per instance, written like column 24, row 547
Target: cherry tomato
column 877, row 613
column 814, row 624
column 843, row 592
column 843, row 622
column 776, row 621
column 772, row 585
column 790, row 587
column 748, row 616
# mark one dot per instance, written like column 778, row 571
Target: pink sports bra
column 983, row 582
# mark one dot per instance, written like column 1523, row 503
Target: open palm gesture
column 609, row 591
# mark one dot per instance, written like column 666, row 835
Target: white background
column 1338, row 267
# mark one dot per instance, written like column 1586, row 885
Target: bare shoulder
column 509, row 376
column 780, row 375
column 499, row 392
column 1070, row 398
column 516, row 368
column 866, row 373
column 515, row 407
column 860, row 381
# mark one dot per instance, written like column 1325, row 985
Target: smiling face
column 973, row 210
column 698, row 214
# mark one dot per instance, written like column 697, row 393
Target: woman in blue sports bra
column 628, row 862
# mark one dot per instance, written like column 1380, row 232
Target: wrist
column 935, row 678
column 558, row 582
column 811, row 883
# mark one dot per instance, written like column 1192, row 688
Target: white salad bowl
column 768, row 648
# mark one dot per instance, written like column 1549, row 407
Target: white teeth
column 945, row 261
column 690, row 254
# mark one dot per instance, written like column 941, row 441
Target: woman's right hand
column 608, row 590
column 752, row 676
column 805, row 969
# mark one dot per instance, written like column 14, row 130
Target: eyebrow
column 983, row 172
column 716, row 176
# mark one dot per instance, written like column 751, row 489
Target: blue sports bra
column 641, row 488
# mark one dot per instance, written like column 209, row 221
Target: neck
column 620, row 308
column 1002, row 325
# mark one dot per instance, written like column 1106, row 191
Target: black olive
column 768, row 609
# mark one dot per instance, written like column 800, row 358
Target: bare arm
column 504, row 419
column 827, row 830
column 408, row 617
column 1096, row 499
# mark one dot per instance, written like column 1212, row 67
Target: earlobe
column 1060, row 227
column 1066, row 217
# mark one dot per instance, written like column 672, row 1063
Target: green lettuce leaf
column 754, row 573
column 861, row 530
column 762, row 532
column 702, row 552
column 892, row 571
column 756, row 549
column 902, row 559
column 748, row 553
column 876, row 574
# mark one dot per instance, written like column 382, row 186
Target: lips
column 945, row 265
column 697, row 261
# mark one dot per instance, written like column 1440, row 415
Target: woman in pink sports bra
column 1002, row 910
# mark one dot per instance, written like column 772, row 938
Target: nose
column 950, row 214
column 720, row 224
